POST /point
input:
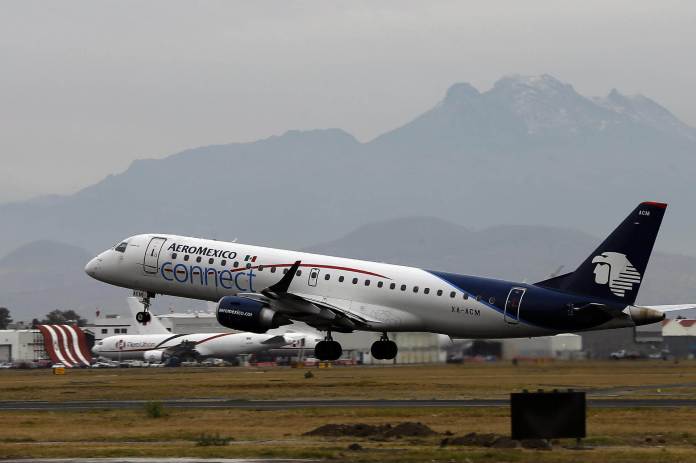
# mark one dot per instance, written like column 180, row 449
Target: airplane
column 259, row 288
column 155, row 344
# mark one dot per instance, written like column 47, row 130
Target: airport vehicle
column 154, row 343
column 260, row 288
column 624, row 354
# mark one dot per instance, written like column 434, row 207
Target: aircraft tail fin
column 615, row 269
column 153, row 327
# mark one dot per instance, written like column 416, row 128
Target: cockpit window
column 121, row 247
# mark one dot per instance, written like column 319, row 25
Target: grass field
column 494, row 380
column 616, row 434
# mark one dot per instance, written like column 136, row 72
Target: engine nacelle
column 244, row 314
column 153, row 356
column 645, row 315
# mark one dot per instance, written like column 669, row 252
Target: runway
column 295, row 404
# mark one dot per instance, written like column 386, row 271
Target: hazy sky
column 88, row 86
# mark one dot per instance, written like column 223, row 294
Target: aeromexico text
column 203, row 251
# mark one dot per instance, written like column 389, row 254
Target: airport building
column 680, row 337
column 108, row 325
column 66, row 344
column 561, row 347
column 18, row 346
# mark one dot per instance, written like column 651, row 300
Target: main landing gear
column 143, row 317
column 384, row 349
column 328, row 349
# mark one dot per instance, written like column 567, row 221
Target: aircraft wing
column 317, row 313
column 182, row 350
column 277, row 340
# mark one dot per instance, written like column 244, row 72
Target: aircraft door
column 151, row 259
column 313, row 277
column 512, row 306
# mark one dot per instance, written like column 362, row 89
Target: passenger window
column 299, row 272
column 491, row 300
column 173, row 255
column 392, row 286
column 380, row 284
column 403, row 287
column 367, row 282
column 439, row 292
column 355, row 281
column 327, row 276
column 426, row 291
column 260, row 268
column 211, row 260
column 415, row 289
column 452, row 294
column 223, row 263
column 248, row 265
column 341, row 278
column 121, row 247
column 273, row 269
column 313, row 275
column 466, row 296
column 236, row 264
column 186, row 257
column 285, row 270
column 478, row 297
column 198, row 259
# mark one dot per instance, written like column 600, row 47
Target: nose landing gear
column 328, row 349
column 384, row 349
column 143, row 317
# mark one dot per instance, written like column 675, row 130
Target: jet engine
column 244, row 314
column 154, row 356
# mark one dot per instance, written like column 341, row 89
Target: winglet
column 284, row 283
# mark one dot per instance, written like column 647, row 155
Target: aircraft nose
column 93, row 266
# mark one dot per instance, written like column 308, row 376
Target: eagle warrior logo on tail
column 614, row 269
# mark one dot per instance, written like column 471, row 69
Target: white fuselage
column 391, row 297
column 216, row 345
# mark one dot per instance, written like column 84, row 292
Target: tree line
column 55, row 317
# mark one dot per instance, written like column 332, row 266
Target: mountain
column 528, row 151
column 43, row 276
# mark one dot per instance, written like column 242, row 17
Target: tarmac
column 339, row 403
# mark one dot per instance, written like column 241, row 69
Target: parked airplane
column 260, row 288
column 154, row 343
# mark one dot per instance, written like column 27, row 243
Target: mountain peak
column 540, row 83
column 460, row 93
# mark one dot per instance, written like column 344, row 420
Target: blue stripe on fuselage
column 484, row 287
column 541, row 307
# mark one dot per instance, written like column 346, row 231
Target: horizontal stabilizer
column 671, row 308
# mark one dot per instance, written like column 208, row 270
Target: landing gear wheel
column 143, row 317
column 384, row 349
column 328, row 349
